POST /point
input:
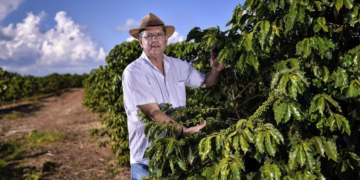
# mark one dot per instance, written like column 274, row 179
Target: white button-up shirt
column 143, row 83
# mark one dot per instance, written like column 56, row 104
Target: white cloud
column 130, row 24
column 63, row 49
column 129, row 39
column 175, row 38
column 7, row 6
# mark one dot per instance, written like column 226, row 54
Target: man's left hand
column 214, row 63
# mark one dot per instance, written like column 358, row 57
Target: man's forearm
column 159, row 116
column 210, row 78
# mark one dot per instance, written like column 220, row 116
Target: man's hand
column 194, row 129
column 214, row 63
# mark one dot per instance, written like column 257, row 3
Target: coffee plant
column 287, row 108
column 14, row 87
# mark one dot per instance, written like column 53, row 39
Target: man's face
column 153, row 41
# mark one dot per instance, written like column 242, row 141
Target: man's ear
column 166, row 40
column 140, row 42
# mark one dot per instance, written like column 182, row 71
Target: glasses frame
column 151, row 36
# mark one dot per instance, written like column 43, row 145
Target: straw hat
column 150, row 20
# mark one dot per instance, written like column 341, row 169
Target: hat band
column 151, row 23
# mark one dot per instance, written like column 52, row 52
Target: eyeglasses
column 150, row 36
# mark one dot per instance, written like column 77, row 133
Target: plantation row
column 287, row 108
column 13, row 86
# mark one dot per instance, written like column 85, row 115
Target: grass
column 38, row 139
column 10, row 150
column 13, row 149
column 113, row 171
column 13, row 115
column 34, row 175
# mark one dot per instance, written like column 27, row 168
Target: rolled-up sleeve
column 137, row 90
column 195, row 78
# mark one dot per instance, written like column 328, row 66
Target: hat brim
column 168, row 29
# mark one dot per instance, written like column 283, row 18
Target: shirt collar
column 166, row 61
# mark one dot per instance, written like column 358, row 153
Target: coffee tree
column 286, row 109
column 14, row 86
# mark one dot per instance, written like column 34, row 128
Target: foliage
column 13, row 86
column 285, row 109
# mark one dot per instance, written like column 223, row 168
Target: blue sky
column 40, row 37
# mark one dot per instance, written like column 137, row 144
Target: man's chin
column 156, row 52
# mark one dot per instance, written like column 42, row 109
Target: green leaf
column 301, row 155
column 331, row 100
column 348, row 3
column 310, row 161
column 326, row 74
column 295, row 111
column 341, row 78
column 345, row 123
column 318, row 143
column 317, row 28
column 182, row 164
column 306, row 47
column 235, row 142
column 171, row 161
column 275, row 79
column 240, row 65
column 322, row 22
column 235, row 170
column 147, row 127
column 292, row 157
column 338, row 4
column 244, row 145
column 294, row 63
column 287, row 115
column 239, row 163
column 331, row 122
column 265, row 27
column 254, row 61
column 273, row 5
column 283, row 81
column 259, row 141
column 299, row 47
column 220, row 165
column 207, row 147
column 248, row 42
column 277, row 135
column 294, row 86
column 330, row 150
column 321, row 105
column 170, row 147
column 248, row 135
column 270, row 145
column 276, row 30
column 280, row 111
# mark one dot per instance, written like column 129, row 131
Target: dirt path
column 75, row 157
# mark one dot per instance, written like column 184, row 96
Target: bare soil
column 75, row 157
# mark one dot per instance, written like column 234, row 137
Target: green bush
column 13, row 86
column 287, row 108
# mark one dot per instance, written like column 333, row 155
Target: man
column 153, row 80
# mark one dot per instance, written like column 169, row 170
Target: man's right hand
column 194, row 129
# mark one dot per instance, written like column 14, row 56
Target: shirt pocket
column 181, row 93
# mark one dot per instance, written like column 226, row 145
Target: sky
column 40, row 37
